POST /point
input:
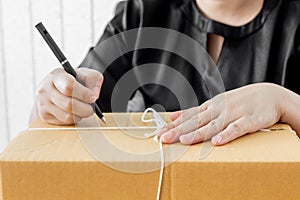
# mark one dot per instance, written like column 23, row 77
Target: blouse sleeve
column 293, row 69
column 110, row 55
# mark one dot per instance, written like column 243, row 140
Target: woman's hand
column 62, row 100
column 228, row 115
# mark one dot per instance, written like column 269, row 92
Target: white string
column 159, row 124
column 162, row 165
column 94, row 128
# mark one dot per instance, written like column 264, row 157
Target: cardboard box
column 64, row 164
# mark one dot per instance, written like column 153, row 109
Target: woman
column 255, row 45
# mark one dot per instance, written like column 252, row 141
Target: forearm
column 291, row 110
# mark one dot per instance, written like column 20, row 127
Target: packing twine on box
column 160, row 123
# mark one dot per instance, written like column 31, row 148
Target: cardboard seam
column 171, row 183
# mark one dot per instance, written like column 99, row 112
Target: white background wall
column 24, row 57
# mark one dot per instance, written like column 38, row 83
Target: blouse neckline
column 207, row 25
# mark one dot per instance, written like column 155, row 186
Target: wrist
column 290, row 113
column 279, row 97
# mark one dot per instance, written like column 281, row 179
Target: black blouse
column 159, row 48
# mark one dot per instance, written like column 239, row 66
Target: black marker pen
column 65, row 63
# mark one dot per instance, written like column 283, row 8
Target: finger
column 50, row 119
column 175, row 115
column 234, row 130
column 68, row 86
column 41, row 104
column 92, row 79
column 53, row 120
column 205, row 132
column 69, row 104
column 184, row 116
column 191, row 125
column 64, row 117
column 54, row 115
column 187, row 114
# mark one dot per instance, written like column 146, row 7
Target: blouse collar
column 232, row 32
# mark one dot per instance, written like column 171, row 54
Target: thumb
column 91, row 78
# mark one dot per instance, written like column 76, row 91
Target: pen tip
column 103, row 120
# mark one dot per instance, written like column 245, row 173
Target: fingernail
column 166, row 137
column 174, row 113
column 161, row 131
column 217, row 139
column 96, row 90
column 187, row 139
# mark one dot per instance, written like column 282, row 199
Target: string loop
column 160, row 123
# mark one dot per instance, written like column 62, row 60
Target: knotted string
column 160, row 123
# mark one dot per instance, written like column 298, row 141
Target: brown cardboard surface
column 52, row 164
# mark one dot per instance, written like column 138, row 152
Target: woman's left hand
column 227, row 116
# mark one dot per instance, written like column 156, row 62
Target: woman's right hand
column 62, row 100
